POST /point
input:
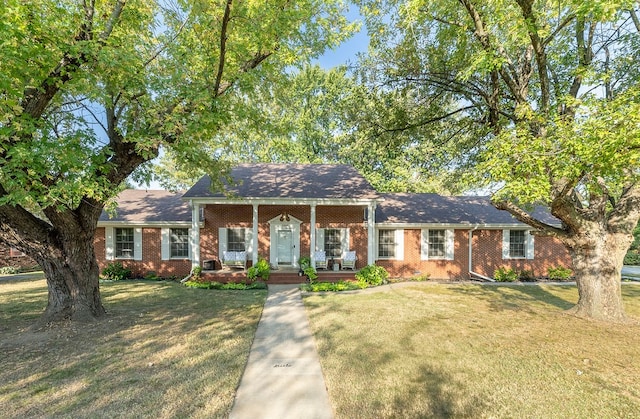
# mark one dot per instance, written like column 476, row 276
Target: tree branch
column 223, row 46
column 523, row 216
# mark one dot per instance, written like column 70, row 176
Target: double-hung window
column 236, row 240
column 333, row 242
column 124, row 243
column 517, row 244
column 437, row 244
column 179, row 242
column 386, row 244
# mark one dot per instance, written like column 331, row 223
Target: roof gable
column 314, row 181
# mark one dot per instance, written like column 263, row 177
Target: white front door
column 285, row 247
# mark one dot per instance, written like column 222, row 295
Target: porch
column 280, row 276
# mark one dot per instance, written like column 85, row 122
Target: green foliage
column 311, row 273
column 559, row 273
column 116, row 272
column 9, row 270
column 632, row 258
column 527, row 276
column 260, row 270
column 334, row 286
column 228, row 286
column 152, row 275
column 372, row 275
column 196, row 273
column 504, row 274
column 421, row 278
column 305, row 262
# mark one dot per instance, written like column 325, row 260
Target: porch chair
column 321, row 259
column 349, row 260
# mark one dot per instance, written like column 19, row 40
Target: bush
column 228, row 286
column 559, row 273
column 527, row 276
column 305, row 262
column 116, row 272
column 311, row 273
column 9, row 270
column 503, row 274
column 333, row 286
column 259, row 270
column 152, row 275
column 372, row 275
column 632, row 258
column 196, row 272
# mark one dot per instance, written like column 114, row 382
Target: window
column 436, row 244
column 333, row 242
column 124, row 243
column 236, row 239
column 386, row 244
column 14, row 253
column 517, row 244
column 179, row 242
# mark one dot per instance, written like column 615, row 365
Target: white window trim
column 248, row 240
column 344, row 239
column 529, row 246
column 110, row 243
column 165, row 234
column 449, row 244
column 398, row 242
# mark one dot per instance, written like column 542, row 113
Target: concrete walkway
column 283, row 378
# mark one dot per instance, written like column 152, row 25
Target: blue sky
column 346, row 52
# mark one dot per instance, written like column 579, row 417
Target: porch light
column 284, row 217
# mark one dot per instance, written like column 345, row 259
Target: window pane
column 179, row 242
column 333, row 242
column 386, row 243
column 517, row 244
column 437, row 243
column 235, row 240
column 124, row 243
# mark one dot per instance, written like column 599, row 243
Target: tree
column 550, row 90
column 92, row 90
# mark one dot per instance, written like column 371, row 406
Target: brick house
column 283, row 212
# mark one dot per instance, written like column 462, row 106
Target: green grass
column 164, row 351
column 430, row 350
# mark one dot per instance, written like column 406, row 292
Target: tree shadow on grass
column 519, row 296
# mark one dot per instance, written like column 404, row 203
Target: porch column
column 195, row 235
column 371, row 233
column 255, row 234
column 312, row 238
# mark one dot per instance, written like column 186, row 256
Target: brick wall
column 15, row 259
column 151, row 256
column 228, row 216
column 487, row 257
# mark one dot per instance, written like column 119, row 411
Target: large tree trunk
column 73, row 283
column 597, row 262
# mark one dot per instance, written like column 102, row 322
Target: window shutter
column 165, row 248
column 109, row 243
column 505, row 244
column 344, row 237
column 399, row 239
column 424, row 244
column 530, row 242
column 449, row 244
column 248, row 242
column 222, row 241
column 320, row 239
column 137, row 244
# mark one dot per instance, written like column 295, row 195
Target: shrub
column 372, row 275
column 422, row 277
column 632, row 258
column 559, row 273
column 9, row 270
column 116, row 272
column 196, row 272
column 259, row 270
column 333, row 286
column 305, row 262
column 152, row 275
column 503, row 274
column 527, row 276
column 228, row 286
column 311, row 273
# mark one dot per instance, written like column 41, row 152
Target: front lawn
column 430, row 350
column 164, row 351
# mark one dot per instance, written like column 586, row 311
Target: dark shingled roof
column 141, row 206
column 438, row 209
column 315, row 181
